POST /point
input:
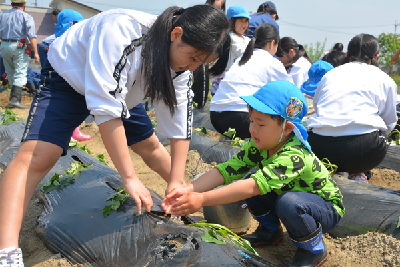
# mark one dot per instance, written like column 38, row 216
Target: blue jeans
column 298, row 211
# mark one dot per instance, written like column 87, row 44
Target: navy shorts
column 57, row 109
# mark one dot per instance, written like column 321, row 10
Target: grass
column 396, row 78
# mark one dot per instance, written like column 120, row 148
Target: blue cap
column 285, row 99
column 237, row 11
column 64, row 20
column 315, row 74
column 271, row 5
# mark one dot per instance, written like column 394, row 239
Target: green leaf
column 210, row 237
column 107, row 210
column 49, row 188
column 223, row 232
column 201, row 130
column 115, row 205
column 231, row 133
column 234, row 240
column 398, row 225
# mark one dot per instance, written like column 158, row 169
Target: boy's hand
column 172, row 197
column 187, row 204
column 139, row 193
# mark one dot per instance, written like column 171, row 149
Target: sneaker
column 359, row 177
column 11, row 257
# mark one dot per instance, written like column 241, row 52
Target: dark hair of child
column 232, row 29
column 211, row 2
column 336, row 58
column 287, row 43
column 264, row 9
column 55, row 12
column 205, row 28
column 363, row 47
column 264, row 34
column 277, row 118
column 338, row 47
column 17, row 4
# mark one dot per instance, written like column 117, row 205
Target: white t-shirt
column 299, row 71
column 238, row 46
column 354, row 99
column 87, row 56
column 244, row 80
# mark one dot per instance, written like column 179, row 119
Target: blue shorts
column 57, row 109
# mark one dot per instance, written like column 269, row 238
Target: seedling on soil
column 116, row 201
column 211, row 235
column 398, row 224
column 235, row 141
column 201, row 130
column 100, row 157
column 63, row 180
column 8, row 116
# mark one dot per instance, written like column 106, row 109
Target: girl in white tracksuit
column 254, row 69
column 355, row 106
column 105, row 66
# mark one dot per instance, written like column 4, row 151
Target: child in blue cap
column 315, row 74
column 290, row 185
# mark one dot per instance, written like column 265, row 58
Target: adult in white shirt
column 355, row 108
column 256, row 68
column 295, row 59
column 106, row 66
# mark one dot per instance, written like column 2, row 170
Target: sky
column 307, row 21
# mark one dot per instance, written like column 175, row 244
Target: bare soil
column 371, row 249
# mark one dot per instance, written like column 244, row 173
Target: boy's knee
column 288, row 203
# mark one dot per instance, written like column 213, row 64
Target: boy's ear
column 288, row 128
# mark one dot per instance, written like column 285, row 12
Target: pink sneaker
column 359, row 177
column 78, row 136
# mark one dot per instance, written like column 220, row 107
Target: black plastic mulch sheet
column 369, row 208
column 73, row 225
column 10, row 139
column 212, row 150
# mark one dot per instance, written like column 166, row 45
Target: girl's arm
column 179, row 150
column 114, row 139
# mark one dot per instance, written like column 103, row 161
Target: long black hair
column 264, row 34
column 288, row 43
column 363, row 47
column 336, row 58
column 205, row 28
column 211, row 2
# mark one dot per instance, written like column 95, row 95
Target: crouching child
column 291, row 185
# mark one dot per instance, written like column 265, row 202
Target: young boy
column 291, row 184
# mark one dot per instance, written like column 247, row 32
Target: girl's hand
column 187, row 204
column 172, row 186
column 139, row 193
